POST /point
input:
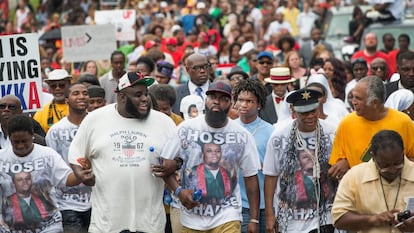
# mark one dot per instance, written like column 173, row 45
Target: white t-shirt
column 40, row 172
column 59, row 137
column 221, row 201
column 295, row 198
column 126, row 196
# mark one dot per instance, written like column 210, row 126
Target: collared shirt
column 4, row 140
column 277, row 105
column 192, row 88
column 360, row 191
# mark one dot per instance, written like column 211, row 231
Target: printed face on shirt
column 78, row 97
column 306, row 162
column 22, row 143
column 23, row 184
column 247, row 104
column 212, row 155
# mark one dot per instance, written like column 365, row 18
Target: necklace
column 383, row 193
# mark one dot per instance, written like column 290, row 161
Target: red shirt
column 369, row 60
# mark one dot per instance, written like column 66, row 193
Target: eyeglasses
column 8, row 106
column 390, row 168
column 378, row 68
column 199, row 67
column 236, row 78
column 265, row 62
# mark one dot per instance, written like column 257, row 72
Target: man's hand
column 271, row 225
column 186, row 199
column 407, row 225
column 252, row 227
column 386, row 218
column 338, row 170
column 84, row 174
column 165, row 169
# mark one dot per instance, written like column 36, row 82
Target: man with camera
column 371, row 194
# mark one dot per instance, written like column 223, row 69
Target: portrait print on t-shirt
column 212, row 160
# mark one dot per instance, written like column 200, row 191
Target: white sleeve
column 60, row 170
column 172, row 146
column 50, row 142
column 274, row 150
column 79, row 148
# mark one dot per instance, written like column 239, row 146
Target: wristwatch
column 179, row 161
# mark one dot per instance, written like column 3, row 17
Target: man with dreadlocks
column 296, row 162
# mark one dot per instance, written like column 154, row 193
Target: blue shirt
column 261, row 131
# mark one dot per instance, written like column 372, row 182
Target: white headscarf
column 400, row 100
column 332, row 106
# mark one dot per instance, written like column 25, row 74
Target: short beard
column 216, row 119
column 131, row 109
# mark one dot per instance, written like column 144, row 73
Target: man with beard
column 110, row 80
column 370, row 52
column 238, row 154
column 122, row 141
column 296, row 167
column 74, row 202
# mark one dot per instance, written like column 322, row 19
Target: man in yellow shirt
column 353, row 134
column 58, row 81
column 371, row 194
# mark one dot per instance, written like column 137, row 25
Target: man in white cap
column 296, row 167
column 122, row 141
column 58, row 81
column 279, row 80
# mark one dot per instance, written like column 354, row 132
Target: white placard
column 123, row 20
column 20, row 69
column 82, row 43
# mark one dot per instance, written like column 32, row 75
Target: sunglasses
column 8, row 106
column 265, row 62
column 378, row 68
column 56, row 85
